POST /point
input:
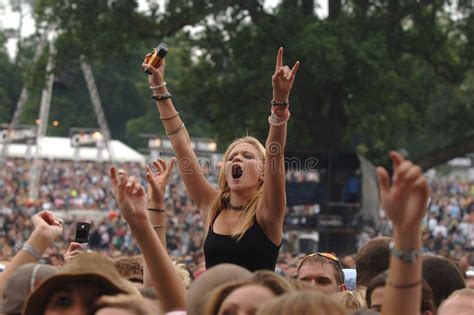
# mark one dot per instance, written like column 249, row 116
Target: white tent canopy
column 61, row 149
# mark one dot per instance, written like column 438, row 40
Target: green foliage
column 374, row 76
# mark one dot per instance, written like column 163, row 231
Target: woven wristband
column 30, row 250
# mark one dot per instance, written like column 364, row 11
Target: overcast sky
column 9, row 19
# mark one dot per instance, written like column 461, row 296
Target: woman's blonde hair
column 303, row 303
column 268, row 279
column 351, row 299
column 300, row 285
column 183, row 274
column 222, row 200
column 466, row 293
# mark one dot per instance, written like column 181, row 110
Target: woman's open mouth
column 236, row 171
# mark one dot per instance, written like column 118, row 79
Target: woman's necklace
column 239, row 208
column 232, row 207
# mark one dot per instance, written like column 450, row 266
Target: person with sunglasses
column 323, row 270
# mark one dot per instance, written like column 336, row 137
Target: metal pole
column 43, row 122
column 99, row 112
column 20, row 105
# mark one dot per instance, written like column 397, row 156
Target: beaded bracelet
column 405, row 256
column 275, row 120
column 284, row 103
column 161, row 97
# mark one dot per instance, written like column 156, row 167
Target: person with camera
column 80, row 243
column 244, row 215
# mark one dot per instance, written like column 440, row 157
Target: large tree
column 375, row 75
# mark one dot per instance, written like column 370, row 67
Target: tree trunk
column 334, row 7
column 307, row 7
column 327, row 123
column 362, row 7
column 289, row 4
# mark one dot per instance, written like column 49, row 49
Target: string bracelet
column 170, row 117
column 154, row 87
column 175, row 131
column 405, row 285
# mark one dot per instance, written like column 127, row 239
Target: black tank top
column 254, row 251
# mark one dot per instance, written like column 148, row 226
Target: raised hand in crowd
column 73, row 250
column 132, row 201
column 157, row 76
column 404, row 200
column 283, row 78
column 131, row 198
column 157, row 182
column 47, row 228
column 272, row 213
column 48, row 225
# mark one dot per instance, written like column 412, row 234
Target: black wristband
column 161, row 97
column 405, row 285
column 156, row 209
column 285, row 103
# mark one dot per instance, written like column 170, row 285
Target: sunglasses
column 328, row 256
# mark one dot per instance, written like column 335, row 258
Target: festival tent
column 60, row 149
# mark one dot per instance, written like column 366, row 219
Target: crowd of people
column 111, row 235
column 63, row 185
column 70, row 186
column 448, row 229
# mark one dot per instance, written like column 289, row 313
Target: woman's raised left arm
column 271, row 213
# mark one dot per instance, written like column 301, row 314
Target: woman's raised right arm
column 199, row 188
